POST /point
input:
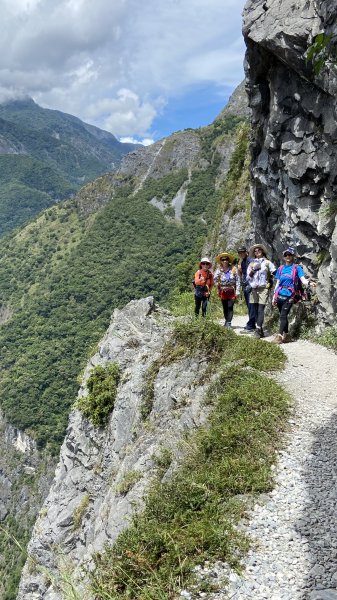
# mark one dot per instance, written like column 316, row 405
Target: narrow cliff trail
column 294, row 528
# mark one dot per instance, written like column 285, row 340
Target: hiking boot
column 286, row 338
column 259, row 332
column 228, row 324
column 278, row 339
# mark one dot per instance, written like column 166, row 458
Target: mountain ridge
column 67, row 151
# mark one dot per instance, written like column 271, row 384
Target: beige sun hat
column 224, row 255
column 263, row 248
column 205, row 259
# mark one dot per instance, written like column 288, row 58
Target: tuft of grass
column 210, row 341
column 191, row 518
column 163, row 459
column 79, row 512
column 128, row 481
column 102, row 389
column 329, row 338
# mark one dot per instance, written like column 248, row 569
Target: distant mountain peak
column 19, row 101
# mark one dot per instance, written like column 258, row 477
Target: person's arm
column 199, row 278
column 272, row 268
column 303, row 279
column 237, row 284
column 277, row 277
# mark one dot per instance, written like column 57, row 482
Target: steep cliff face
column 25, row 478
column 294, row 154
column 103, row 473
column 182, row 176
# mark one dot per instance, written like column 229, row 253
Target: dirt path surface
column 295, row 528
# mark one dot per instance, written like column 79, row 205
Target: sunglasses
column 222, row 259
column 288, row 254
column 205, row 263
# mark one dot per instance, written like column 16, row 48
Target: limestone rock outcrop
column 89, row 502
column 294, row 153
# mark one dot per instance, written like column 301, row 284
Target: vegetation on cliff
column 64, row 274
column 190, row 517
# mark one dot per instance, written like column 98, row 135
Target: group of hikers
column 256, row 274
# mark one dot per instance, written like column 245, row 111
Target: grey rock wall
column 294, row 152
column 25, row 478
column 95, row 462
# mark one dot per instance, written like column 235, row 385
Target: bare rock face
column 103, row 473
column 25, row 478
column 179, row 151
column 237, row 104
column 294, row 155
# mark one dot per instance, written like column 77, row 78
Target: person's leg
column 253, row 302
column 204, row 306
column 230, row 311
column 197, row 305
column 251, row 323
column 246, row 296
column 262, row 294
column 260, row 315
column 224, row 308
column 284, row 307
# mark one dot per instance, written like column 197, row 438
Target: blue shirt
column 286, row 279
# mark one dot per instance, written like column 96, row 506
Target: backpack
column 297, row 290
column 270, row 277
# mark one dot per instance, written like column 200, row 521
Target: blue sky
column 196, row 108
column 141, row 70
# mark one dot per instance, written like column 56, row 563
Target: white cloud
column 124, row 113
column 132, row 140
column 117, row 63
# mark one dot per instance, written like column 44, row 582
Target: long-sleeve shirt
column 227, row 279
column 259, row 272
column 244, row 267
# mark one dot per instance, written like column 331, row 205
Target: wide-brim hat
column 225, row 255
column 263, row 248
column 205, row 259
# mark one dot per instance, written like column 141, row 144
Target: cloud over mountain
column 118, row 64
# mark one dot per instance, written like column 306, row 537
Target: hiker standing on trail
column 227, row 279
column 203, row 283
column 242, row 268
column 288, row 291
column 260, row 278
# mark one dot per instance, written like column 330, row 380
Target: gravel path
column 295, row 529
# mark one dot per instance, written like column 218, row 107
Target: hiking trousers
column 228, row 309
column 284, row 307
column 200, row 302
column 258, row 311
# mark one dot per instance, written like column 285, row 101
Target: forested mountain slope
column 125, row 235
column 61, row 276
column 45, row 156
